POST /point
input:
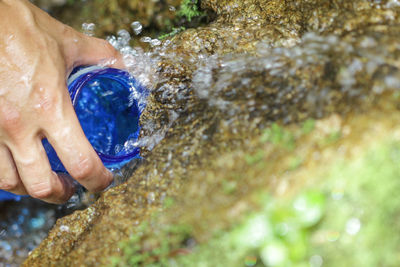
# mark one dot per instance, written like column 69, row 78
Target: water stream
column 302, row 76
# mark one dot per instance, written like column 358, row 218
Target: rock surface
column 112, row 15
column 220, row 86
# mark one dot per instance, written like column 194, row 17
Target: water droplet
column 250, row 261
column 316, row 261
column 353, row 226
column 332, row 236
column 155, row 42
column 137, row 27
column 337, row 193
column 64, row 228
column 123, row 38
column 88, row 28
column 145, row 39
column 255, row 232
column 309, row 208
column 274, row 254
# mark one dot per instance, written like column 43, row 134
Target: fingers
column 95, row 51
column 9, row 178
column 76, row 153
column 36, row 174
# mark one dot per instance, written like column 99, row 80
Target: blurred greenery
column 277, row 135
column 363, row 211
column 348, row 219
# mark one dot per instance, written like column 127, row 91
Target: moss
column 364, row 195
column 277, row 135
column 141, row 249
column 308, row 126
column 294, row 163
column 190, row 9
column 173, row 32
column 280, row 228
column 255, row 158
column 293, row 232
column 332, row 138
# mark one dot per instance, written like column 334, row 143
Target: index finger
column 74, row 150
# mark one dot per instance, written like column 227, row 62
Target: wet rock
column 220, row 85
column 111, row 15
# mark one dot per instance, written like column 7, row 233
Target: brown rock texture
column 222, row 84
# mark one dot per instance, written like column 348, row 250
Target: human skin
column 37, row 54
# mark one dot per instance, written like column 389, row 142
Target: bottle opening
column 108, row 103
column 109, row 115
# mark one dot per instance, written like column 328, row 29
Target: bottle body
column 108, row 103
column 5, row 196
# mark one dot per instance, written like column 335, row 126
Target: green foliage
column 255, row 158
column 174, row 32
column 350, row 218
column 169, row 202
column 189, row 10
column 308, row 126
column 279, row 235
column 164, row 240
column 278, row 136
column 332, row 138
column 229, row 187
column 364, row 194
column 295, row 162
column 355, row 226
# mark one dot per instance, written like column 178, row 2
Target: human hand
column 37, row 53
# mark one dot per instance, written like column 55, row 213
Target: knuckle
column 9, row 184
column 27, row 161
column 109, row 48
column 42, row 194
column 68, row 32
column 45, row 100
column 10, row 119
column 83, row 169
column 41, row 190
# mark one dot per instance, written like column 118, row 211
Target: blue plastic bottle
column 108, row 103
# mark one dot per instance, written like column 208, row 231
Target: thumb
column 94, row 51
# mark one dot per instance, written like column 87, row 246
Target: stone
column 221, row 85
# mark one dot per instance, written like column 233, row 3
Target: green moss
column 294, row 163
column 332, row 138
column 168, row 202
column 308, row 126
column 189, row 9
column 255, row 158
column 173, row 32
column 364, row 195
column 229, row 187
column 277, row 135
column 278, row 235
column 320, row 223
column 151, row 247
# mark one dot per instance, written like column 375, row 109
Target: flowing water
column 305, row 76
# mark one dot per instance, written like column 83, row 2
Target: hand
column 37, row 53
